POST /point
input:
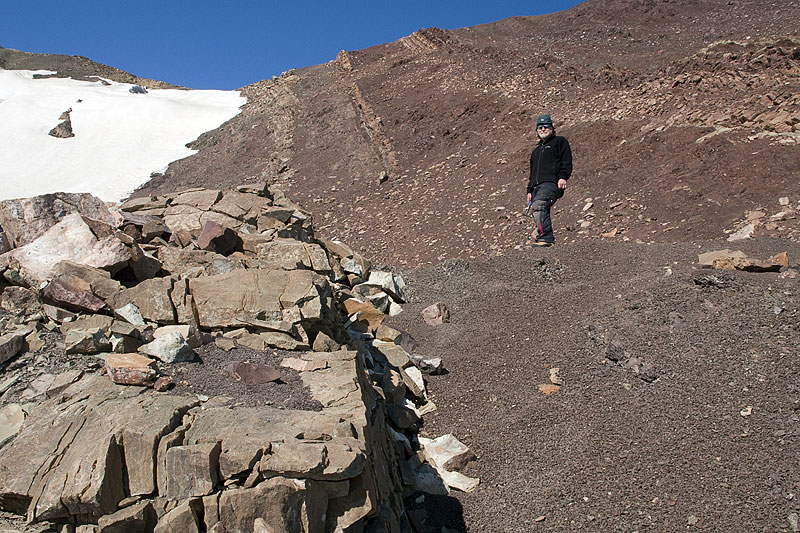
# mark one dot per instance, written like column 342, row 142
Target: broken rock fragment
column 436, row 314
column 131, row 369
column 252, row 373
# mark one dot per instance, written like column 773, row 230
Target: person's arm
column 565, row 158
column 565, row 168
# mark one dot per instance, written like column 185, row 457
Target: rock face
column 111, row 447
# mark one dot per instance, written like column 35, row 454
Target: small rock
column 429, row 365
column 783, row 200
column 252, row 373
column 171, row 347
column 747, row 411
column 225, row 344
column 301, row 365
column 436, row 314
column 131, row 369
column 555, row 379
column 794, row 521
column 162, row 384
column 548, row 389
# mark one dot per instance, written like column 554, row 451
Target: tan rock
column 138, row 517
column 302, row 365
column 183, row 260
column 707, row 259
column 365, row 312
column 192, row 470
column 152, row 297
column 98, row 281
column 284, row 504
column 86, row 341
column 131, row 369
column 185, row 518
column 436, row 314
column 13, row 343
column 224, row 299
column 394, row 354
column 295, row 459
column 11, row 418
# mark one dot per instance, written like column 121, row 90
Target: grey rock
column 170, row 347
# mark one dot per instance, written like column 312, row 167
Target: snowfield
column 121, row 138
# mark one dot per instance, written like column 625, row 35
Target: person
column 551, row 167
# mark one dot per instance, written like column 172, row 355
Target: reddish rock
column 131, row 369
column 217, row 238
column 62, row 294
column 252, row 373
column 162, row 384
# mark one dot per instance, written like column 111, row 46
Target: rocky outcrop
column 106, row 450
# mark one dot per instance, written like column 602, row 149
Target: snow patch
column 121, row 138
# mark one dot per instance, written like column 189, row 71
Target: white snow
column 120, row 137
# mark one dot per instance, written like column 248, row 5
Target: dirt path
column 665, row 449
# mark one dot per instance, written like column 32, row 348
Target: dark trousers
column 544, row 196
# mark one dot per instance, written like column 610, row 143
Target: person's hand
column 562, row 184
column 529, row 198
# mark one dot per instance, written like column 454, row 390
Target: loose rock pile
column 134, row 291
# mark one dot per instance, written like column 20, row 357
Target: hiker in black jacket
column 551, row 167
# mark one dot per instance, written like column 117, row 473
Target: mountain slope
column 683, row 115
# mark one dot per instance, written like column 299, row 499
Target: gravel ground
column 680, row 408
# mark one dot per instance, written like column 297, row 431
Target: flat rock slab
column 69, row 456
column 252, row 373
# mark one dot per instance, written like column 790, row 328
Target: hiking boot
column 541, row 244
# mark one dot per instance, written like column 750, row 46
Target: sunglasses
column 545, row 127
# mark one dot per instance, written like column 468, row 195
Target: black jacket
column 551, row 161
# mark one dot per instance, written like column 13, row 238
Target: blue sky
column 219, row 45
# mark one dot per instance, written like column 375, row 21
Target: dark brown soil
column 666, row 449
column 206, row 377
column 210, row 378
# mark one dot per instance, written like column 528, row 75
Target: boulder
column 13, row 343
column 252, row 373
column 186, row 517
column 446, row 452
column 25, row 220
column 86, row 341
column 225, row 299
column 183, row 260
column 98, row 281
column 217, row 238
column 192, row 470
column 72, row 239
column 284, row 504
column 242, row 206
column 73, row 295
column 140, row 516
column 706, row 259
column 151, row 297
